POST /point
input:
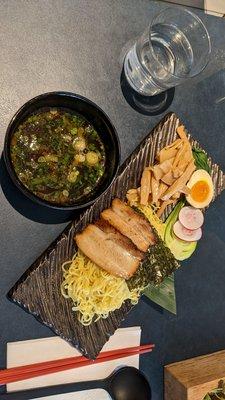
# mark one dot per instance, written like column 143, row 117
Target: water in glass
column 152, row 66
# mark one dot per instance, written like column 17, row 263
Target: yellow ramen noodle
column 153, row 218
column 94, row 292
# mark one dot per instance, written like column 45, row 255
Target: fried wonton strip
column 166, row 154
column 158, row 173
column 180, row 182
column 166, row 166
column 182, row 165
column 163, row 206
column 185, row 190
column 174, row 144
column 145, row 187
column 182, row 134
column 176, row 195
column 168, row 178
column 155, row 190
column 162, row 189
column 182, row 150
column 177, row 172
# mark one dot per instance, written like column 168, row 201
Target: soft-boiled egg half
column 201, row 189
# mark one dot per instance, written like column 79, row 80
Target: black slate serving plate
column 38, row 290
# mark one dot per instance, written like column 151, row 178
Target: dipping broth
column 58, row 156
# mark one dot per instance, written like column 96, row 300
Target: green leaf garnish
column 201, row 159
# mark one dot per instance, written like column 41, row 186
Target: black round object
column 146, row 105
column 128, row 383
column 95, row 115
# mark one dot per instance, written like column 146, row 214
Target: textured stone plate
column 38, row 290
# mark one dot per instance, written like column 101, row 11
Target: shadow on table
column 151, row 303
column 25, row 206
column 146, row 105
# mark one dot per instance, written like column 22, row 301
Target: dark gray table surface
column 77, row 46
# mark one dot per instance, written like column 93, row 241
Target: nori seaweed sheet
column 158, row 263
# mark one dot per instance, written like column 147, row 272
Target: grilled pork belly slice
column 125, row 228
column 130, row 224
column 110, row 254
column 135, row 219
column 121, row 240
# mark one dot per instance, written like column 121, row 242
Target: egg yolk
column 200, row 191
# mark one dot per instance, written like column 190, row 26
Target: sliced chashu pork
column 120, row 239
column 109, row 250
column 130, row 224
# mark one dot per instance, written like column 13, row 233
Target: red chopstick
column 30, row 375
column 69, row 360
column 39, row 369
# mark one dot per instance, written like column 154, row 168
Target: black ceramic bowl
column 94, row 115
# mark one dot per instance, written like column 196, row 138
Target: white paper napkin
column 215, row 7
column 85, row 395
column 53, row 348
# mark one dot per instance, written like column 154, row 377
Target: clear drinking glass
column 175, row 47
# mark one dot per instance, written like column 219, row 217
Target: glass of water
column 174, row 48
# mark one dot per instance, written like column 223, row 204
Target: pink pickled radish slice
column 189, row 235
column 191, row 218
